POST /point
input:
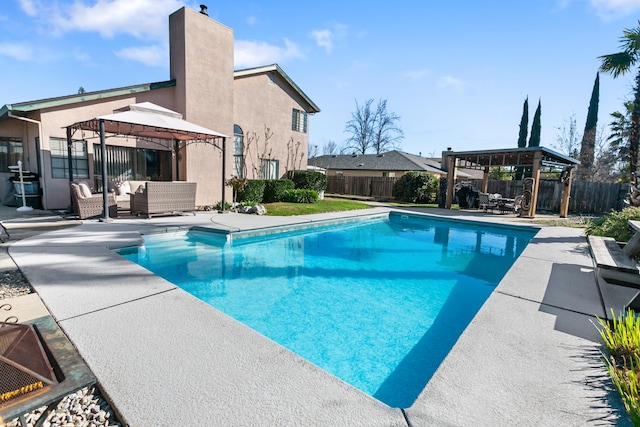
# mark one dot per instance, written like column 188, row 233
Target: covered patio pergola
column 151, row 122
column 535, row 159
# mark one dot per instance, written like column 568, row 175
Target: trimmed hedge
column 416, row 187
column 252, row 193
column 308, row 180
column 274, row 189
column 300, row 196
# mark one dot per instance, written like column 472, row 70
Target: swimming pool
column 378, row 303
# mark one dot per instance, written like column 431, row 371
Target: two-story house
column 261, row 111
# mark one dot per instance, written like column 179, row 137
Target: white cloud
column 83, row 57
column 252, row 20
column 417, row 74
column 248, row 53
column 146, row 19
column 17, row 51
column 323, row 38
column 29, row 7
column 454, row 83
column 326, row 38
column 608, row 9
column 148, row 55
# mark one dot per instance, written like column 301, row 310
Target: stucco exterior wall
column 54, row 121
column 266, row 100
column 202, row 65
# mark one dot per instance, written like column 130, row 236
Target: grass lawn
column 326, row 205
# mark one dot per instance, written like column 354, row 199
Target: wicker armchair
column 87, row 207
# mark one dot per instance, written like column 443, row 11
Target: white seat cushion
column 123, row 188
column 85, row 191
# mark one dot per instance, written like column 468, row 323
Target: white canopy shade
column 150, row 121
column 145, row 120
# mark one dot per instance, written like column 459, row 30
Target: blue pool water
column 377, row 303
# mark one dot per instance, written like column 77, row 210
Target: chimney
column 203, row 10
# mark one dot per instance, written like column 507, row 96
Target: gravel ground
column 13, row 284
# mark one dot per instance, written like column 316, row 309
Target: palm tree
column 618, row 139
column 618, row 64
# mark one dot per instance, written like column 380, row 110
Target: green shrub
column 274, row 189
column 218, row 206
column 300, row 196
column 416, row 187
column 614, row 224
column 625, row 379
column 621, row 337
column 252, row 193
column 308, row 180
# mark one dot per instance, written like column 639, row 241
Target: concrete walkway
column 530, row 356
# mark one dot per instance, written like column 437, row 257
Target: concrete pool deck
column 162, row 357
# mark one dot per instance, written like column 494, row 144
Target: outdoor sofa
column 121, row 191
column 163, row 198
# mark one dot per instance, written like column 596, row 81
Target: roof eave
column 84, row 97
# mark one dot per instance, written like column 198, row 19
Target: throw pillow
column 123, row 188
column 140, row 189
column 85, row 190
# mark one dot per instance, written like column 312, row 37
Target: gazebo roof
column 512, row 157
column 150, row 121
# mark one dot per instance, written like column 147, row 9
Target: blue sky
column 456, row 72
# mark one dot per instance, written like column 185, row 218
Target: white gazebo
column 146, row 120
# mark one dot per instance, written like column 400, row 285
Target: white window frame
column 60, row 158
column 299, row 121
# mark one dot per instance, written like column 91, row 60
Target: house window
column 128, row 163
column 238, row 151
column 339, row 173
column 299, row 121
column 269, row 169
column 10, row 152
column 60, row 158
column 389, row 174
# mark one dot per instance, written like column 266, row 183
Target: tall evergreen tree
column 585, row 170
column 534, row 140
column 524, row 124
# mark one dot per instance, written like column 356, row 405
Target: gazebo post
column 224, row 172
column 566, row 192
column 70, row 165
column 176, row 148
column 537, row 160
column 451, row 177
column 485, row 179
column 105, row 187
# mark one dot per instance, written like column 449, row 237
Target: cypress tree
column 589, row 136
column 524, row 124
column 534, row 140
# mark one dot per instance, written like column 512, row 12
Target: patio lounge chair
column 616, row 265
column 488, row 201
column 510, row 206
column 87, row 204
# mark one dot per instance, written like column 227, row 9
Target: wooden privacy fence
column 367, row 186
column 586, row 197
